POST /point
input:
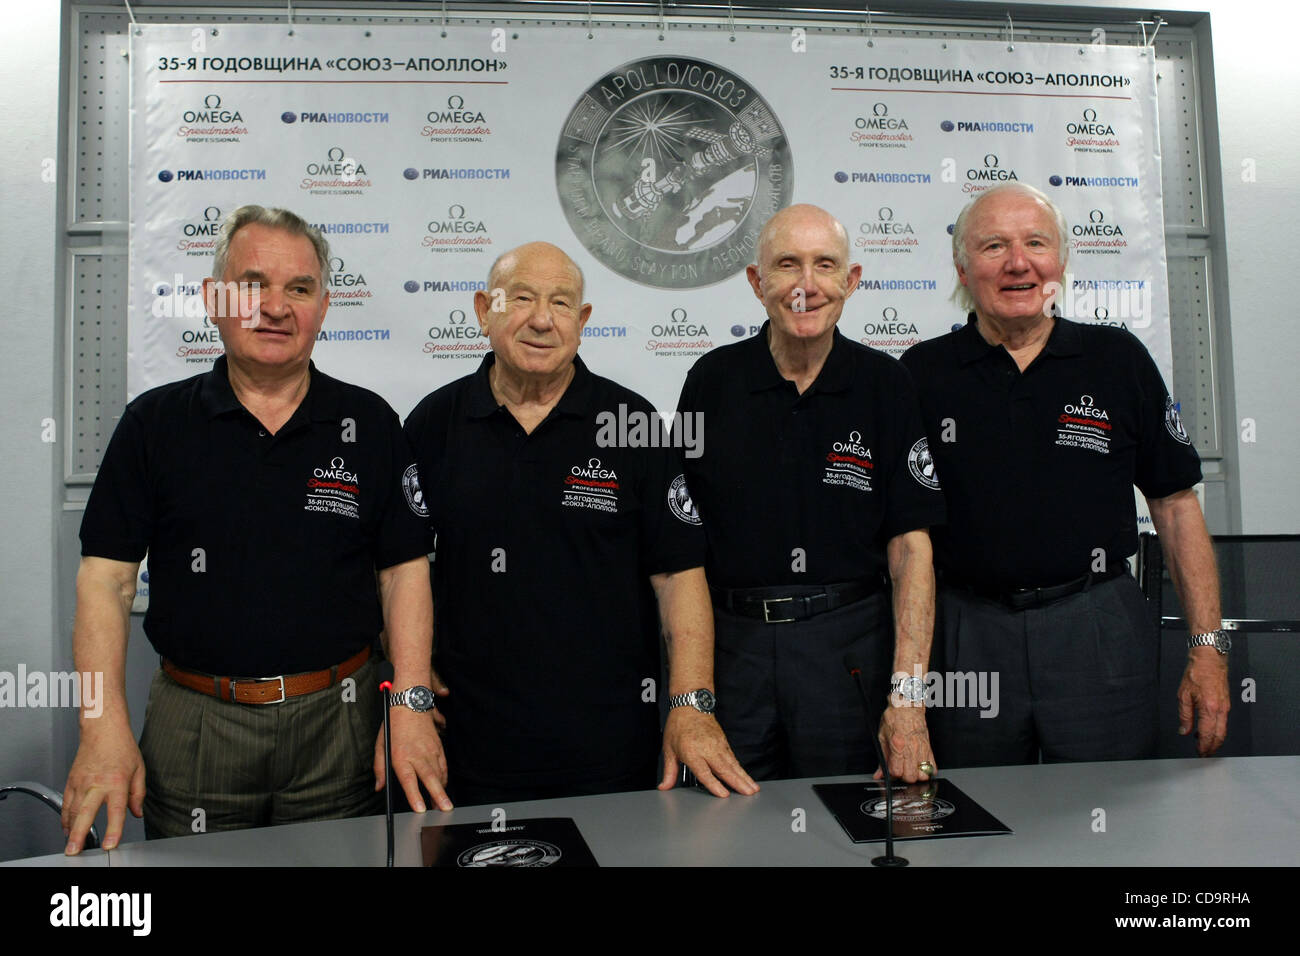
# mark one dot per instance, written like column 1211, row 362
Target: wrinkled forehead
column 1011, row 215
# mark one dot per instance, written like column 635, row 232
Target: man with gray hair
column 1039, row 429
column 269, row 497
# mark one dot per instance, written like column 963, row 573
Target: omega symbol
column 1090, row 116
column 335, row 154
column 880, row 109
column 992, row 156
column 885, row 214
column 676, row 317
column 336, row 463
column 452, row 211
column 208, row 101
column 455, row 102
column 1085, row 401
column 1096, row 216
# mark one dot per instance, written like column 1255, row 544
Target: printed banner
column 654, row 164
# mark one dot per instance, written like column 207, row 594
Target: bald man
column 553, row 546
column 816, row 493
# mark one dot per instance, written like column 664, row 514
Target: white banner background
column 652, row 170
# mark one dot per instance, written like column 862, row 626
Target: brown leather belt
column 265, row 690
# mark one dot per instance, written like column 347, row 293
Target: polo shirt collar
column 761, row 372
column 574, row 402
column 1064, row 340
column 321, row 403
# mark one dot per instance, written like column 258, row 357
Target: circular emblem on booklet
column 667, row 167
column 510, row 853
column 414, row 495
column 921, row 464
column 910, row 809
column 1174, row 422
column 680, row 502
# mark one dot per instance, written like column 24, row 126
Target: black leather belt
column 778, row 606
column 1022, row 599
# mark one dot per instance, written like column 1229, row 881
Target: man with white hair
column 1039, row 428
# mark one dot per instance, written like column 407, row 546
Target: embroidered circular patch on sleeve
column 1174, row 422
column 680, row 502
column 921, row 465
column 414, row 495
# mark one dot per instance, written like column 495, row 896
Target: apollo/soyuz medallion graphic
column 667, row 168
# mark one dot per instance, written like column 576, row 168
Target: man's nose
column 1017, row 261
column 541, row 317
column 272, row 302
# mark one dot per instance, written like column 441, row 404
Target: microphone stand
column 889, row 859
column 385, row 689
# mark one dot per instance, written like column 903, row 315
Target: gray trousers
column 787, row 704
column 1077, row 679
column 212, row 765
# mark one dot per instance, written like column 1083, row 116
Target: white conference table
column 1240, row 811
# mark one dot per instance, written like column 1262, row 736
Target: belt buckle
column 257, row 680
column 767, row 611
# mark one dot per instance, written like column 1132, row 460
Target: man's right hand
column 108, row 769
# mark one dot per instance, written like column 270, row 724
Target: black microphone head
column 851, row 663
column 385, row 671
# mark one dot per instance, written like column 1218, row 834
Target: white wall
column 29, row 103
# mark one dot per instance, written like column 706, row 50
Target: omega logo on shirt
column 334, row 490
column 591, row 486
column 849, row 463
column 1084, row 424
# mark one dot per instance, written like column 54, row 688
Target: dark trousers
column 1077, row 679
column 785, row 700
column 212, row 765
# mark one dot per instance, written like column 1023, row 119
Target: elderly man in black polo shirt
column 1040, row 428
column 814, row 488
column 554, row 539
column 267, row 495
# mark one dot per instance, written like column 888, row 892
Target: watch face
column 1222, row 642
column 912, row 688
column 704, row 700
column 419, row 699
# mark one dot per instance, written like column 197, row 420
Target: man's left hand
column 1203, row 697
column 905, row 742
column 417, row 758
column 696, row 739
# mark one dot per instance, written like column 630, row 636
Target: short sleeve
column 404, row 514
column 119, row 519
column 672, row 534
column 1167, row 462
column 915, row 499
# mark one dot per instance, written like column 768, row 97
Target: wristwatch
column 417, row 698
column 1219, row 640
column 911, row 689
column 702, row 700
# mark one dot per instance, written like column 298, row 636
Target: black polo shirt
column 834, row 473
column 262, row 548
column 1040, row 466
column 546, row 624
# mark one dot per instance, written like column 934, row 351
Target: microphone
column 889, row 859
column 385, row 689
